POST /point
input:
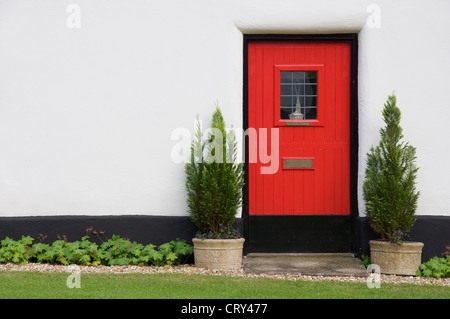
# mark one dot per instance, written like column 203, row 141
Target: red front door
column 299, row 107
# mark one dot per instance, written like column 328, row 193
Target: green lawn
column 24, row 285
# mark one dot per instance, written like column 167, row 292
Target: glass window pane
column 286, row 89
column 285, row 114
column 286, row 77
column 299, row 90
column 310, row 113
column 298, row 77
column 310, row 89
column 298, row 95
column 311, row 77
column 310, row 101
column 286, row 101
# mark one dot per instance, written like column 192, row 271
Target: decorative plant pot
column 396, row 259
column 224, row 254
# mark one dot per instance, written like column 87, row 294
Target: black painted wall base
column 265, row 233
column 299, row 233
column 142, row 229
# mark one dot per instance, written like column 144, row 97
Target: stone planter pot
column 224, row 254
column 396, row 259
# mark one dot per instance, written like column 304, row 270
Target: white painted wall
column 86, row 114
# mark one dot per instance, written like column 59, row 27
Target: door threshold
column 317, row 264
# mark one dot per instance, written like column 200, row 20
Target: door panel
column 313, row 173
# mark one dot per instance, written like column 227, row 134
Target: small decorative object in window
column 297, row 115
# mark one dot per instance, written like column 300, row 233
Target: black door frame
column 324, row 226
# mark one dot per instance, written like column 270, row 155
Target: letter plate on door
column 298, row 163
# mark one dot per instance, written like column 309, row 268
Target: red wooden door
column 299, row 107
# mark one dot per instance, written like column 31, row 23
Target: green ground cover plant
column 114, row 251
column 437, row 267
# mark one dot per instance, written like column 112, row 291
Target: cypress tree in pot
column 214, row 183
column 390, row 194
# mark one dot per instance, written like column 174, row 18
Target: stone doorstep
column 313, row 264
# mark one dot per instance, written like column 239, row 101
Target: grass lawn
column 34, row 285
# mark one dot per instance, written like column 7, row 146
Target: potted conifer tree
column 391, row 197
column 214, row 184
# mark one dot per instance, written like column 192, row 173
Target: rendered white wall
column 86, row 114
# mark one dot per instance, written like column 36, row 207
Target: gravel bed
column 191, row 269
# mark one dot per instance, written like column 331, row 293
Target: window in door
column 298, row 95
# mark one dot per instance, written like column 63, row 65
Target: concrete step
column 304, row 264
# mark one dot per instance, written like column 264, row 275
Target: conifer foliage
column 389, row 187
column 214, row 180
